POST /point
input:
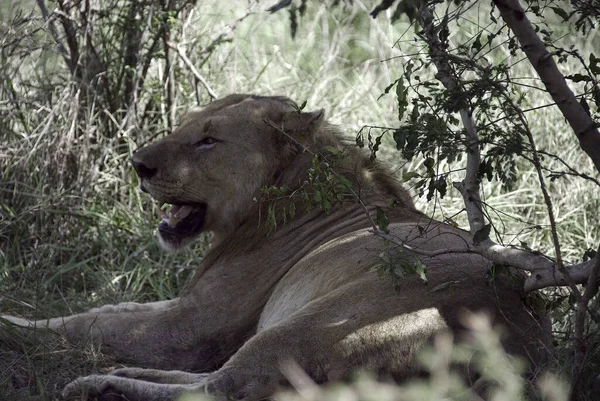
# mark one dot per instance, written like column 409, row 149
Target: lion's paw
column 17, row 321
column 112, row 388
column 228, row 383
column 88, row 387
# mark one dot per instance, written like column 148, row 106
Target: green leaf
column 410, row 175
column 388, row 88
column 441, row 185
column 421, row 270
column 401, row 93
column 594, row 64
column 346, row 183
column 482, row 234
column 333, row 150
column 400, row 139
column 589, row 254
column 271, row 219
column 429, row 163
column 449, row 285
column 477, row 43
column 578, row 78
column 561, row 13
column 382, row 220
column 375, row 147
column 450, row 221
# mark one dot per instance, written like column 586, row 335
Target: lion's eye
column 206, row 143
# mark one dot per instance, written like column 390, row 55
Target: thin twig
column 572, row 171
column 181, row 52
column 61, row 48
column 553, row 227
column 581, row 352
column 169, row 73
column 469, row 186
column 228, row 30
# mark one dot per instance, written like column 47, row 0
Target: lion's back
column 416, row 310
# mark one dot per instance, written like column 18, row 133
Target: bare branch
column 535, row 160
column 585, row 128
column 71, row 35
column 571, row 170
column 550, row 276
column 169, row 75
column 61, row 48
column 581, row 353
column 229, row 30
column 469, row 186
column 544, row 271
column 193, row 69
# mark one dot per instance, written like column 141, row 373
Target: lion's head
column 211, row 169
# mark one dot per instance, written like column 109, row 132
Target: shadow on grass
column 35, row 365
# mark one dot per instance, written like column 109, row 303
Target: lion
column 308, row 291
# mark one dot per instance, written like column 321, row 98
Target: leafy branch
column 546, row 271
column 584, row 127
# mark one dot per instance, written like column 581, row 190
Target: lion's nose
column 142, row 170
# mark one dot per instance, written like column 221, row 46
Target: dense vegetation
column 82, row 88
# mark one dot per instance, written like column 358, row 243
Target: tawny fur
column 308, row 291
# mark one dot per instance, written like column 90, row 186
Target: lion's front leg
column 163, row 335
column 160, row 376
column 61, row 325
column 135, row 306
column 52, row 324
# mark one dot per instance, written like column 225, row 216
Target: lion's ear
column 295, row 130
column 302, row 124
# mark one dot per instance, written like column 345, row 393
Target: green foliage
column 395, row 263
column 323, row 188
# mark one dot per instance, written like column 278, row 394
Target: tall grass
column 74, row 230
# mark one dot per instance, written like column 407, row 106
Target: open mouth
column 182, row 221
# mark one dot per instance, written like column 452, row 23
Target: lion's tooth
column 175, row 214
column 183, row 212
